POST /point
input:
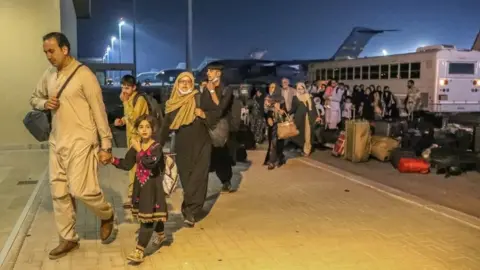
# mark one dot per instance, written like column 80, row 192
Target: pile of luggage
column 411, row 146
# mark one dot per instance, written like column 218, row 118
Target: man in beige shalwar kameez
column 78, row 118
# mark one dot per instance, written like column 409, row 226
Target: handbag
column 218, row 134
column 287, row 128
column 38, row 122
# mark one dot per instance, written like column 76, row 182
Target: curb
column 14, row 243
column 397, row 194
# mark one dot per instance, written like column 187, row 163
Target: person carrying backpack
column 134, row 106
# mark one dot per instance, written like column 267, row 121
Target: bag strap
column 197, row 99
column 287, row 117
column 144, row 95
column 135, row 99
column 67, row 81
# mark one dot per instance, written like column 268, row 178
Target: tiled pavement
column 19, row 172
column 295, row 217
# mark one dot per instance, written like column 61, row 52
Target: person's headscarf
column 277, row 94
column 305, row 96
column 184, row 102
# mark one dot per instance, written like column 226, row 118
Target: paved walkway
column 19, row 173
column 295, row 217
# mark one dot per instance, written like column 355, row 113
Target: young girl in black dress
column 148, row 198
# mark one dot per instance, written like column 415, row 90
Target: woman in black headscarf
column 390, row 101
column 275, row 109
column 367, row 104
column 257, row 113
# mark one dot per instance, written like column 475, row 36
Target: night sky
column 288, row 29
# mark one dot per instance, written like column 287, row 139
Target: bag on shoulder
column 39, row 122
column 218, row 134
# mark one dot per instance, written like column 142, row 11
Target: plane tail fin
column 354, row 44
column 476, row 43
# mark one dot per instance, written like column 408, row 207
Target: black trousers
column 146, row 231
column 223, row 158
column 194, row 179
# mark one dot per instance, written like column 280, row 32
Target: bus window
column 384, row 72
column 415, row 70
column 365, row 73
column 350, row 73
column 374, row 72
column 329, row 74
column 358, row 73
column 317, row 74
column 404, row 70
column 323, row 75
column 343, row 73
column 461, row 68
column 336, row 73
column 394, row 71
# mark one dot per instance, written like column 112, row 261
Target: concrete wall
column 68, row 23
column 22, row 60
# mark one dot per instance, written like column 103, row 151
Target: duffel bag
column 413, row 165
column 382, row 147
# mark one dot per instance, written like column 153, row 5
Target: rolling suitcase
column 388, row 128
column 358, row 140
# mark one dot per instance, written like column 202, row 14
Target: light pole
column 189, row 36
column 134, row 3
column 107, row 53
column 112, row 41
column 107, row 56
column 120, row 24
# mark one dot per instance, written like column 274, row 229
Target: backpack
column 219, row 134
column 154, row 108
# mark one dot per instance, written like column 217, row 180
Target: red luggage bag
column 413, row 165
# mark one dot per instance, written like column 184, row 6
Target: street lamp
column 112, row 41
column 189, row 35
column 120, row 24
column 107, row 53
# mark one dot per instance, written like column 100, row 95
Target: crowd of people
column 81, row 138
column 320, row 105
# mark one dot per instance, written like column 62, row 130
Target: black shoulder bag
column 38, row 122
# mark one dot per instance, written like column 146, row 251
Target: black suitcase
column 399, row 153
column 452, row 161
column 386, row 128
column 417, row 141
column 463, row 139
column 476, row 139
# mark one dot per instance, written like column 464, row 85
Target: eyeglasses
column 185, row 81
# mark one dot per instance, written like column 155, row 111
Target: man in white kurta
column 78, row 120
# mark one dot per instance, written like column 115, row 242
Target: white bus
column 449, row 79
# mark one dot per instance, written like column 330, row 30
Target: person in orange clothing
column 134, row 106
